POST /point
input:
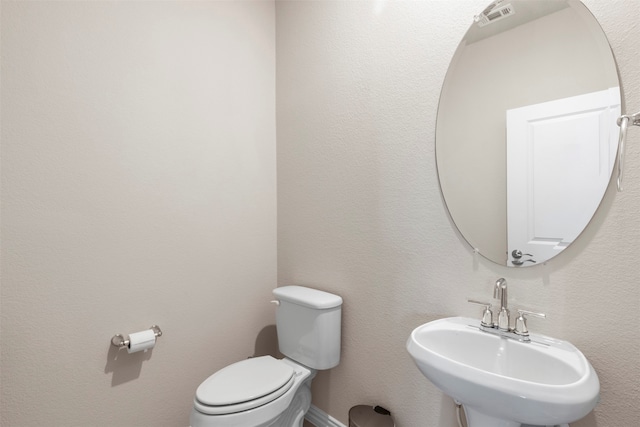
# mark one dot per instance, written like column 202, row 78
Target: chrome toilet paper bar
column 119, row 341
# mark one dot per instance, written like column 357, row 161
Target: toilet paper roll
column 143, row 340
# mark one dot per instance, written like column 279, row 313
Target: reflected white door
column 573, row 141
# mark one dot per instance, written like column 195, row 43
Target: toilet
column 264, row 391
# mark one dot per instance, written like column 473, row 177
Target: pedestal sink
column 502, row 382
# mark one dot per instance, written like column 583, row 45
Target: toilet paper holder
column 119, row 341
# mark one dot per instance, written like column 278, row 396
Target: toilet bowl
column 257, row 392
column 264, row 391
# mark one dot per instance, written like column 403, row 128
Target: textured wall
column 360, row 213
column 138, row 187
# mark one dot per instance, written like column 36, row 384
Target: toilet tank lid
column 307, row 297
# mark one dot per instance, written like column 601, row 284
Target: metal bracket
column 624, row 122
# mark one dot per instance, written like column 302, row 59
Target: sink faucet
column 501, row 327
column 500, row 292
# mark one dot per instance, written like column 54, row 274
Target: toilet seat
column 244, row 385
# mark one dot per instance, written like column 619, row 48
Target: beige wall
column 360, row 212
column 138, row 187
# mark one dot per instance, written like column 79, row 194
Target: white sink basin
column 503, row 382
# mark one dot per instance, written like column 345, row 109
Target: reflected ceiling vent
column 494, row 13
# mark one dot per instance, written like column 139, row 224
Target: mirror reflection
column 526, row 136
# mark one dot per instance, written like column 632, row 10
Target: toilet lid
column 244, row 381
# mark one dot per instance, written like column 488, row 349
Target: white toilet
column 264, row 391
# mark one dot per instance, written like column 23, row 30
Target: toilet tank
column 309, row 324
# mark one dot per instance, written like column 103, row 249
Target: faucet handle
column 487, row 314
column 521, row 322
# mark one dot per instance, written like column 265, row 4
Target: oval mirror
column 526, row 133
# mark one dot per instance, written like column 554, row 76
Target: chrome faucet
column 500, row 292
column 501, row 327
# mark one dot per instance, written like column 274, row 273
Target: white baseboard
column 319, row 418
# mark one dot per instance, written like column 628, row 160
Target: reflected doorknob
column 517, row 254
column 522, row 261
